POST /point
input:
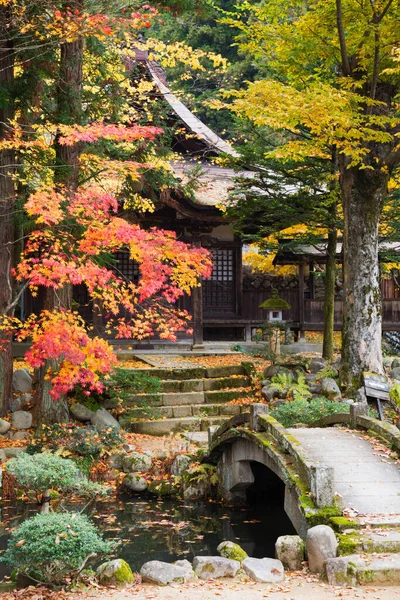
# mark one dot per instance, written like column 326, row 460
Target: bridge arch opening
column 264, row 519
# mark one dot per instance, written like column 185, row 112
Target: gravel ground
column 294, row 588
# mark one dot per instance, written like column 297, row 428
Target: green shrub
column 43, row 471
column 283, row 381
column 84, row 441
column 395, row 394
column 304, row 411
column 53, row 547
column 201, row 472
column 40, row 472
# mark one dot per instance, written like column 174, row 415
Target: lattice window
column 219, row 290
column 126, row 267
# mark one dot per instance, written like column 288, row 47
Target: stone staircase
column 190, row 399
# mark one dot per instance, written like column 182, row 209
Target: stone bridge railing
column 318, row 477
column 358, row 418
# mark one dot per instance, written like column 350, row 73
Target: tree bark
column 7, row 200
column 69, row 111
column 329, row 296
column 363, row 192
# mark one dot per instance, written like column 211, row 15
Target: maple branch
column 342, row 39
column 14, row 303
column 383, row 13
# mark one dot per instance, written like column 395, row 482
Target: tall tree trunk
column 69, row 111
column 329, row 296
column 363, row 192
column 6, row 202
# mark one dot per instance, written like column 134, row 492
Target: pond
column 168, row 530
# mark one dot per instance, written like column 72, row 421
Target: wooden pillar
column 197, row 312
column 239, row 278
column 301, row 300
column 312, row 281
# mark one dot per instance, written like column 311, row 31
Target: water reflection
column 152, row 529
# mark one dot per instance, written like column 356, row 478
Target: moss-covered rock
column 232, row 551
column 163, row 487
column 116, row 573
column 136, row 463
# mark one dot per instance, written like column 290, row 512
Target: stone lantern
column 275, row 306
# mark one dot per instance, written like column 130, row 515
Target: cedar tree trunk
column 329, row 296
column 363, row 192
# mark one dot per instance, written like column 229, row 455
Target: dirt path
column 294, row 588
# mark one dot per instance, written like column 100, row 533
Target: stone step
column 185, row 398
column 225, row 383
column 361, row 540
column 381, row 542
column 379, row 570
column 225, row 395
column 200, row 385
column 167, row 426
column 183, row 373
column 168, row 412
column 156, row 400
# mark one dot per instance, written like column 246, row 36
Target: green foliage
column 201, row 472
column 298, row 390
column 76, row 439
column 395, row 394
column 327, row 371
column 52, row 547
column 39, row 472
column 118, row 387
column 43, row 471
column 302, row 411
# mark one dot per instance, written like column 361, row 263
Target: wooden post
column 239, row 278
column 197, row 309
column 301, row 300
column 312, row 280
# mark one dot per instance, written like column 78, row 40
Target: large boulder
column 21, row 382
column 213, row 567
column 289, row 549
column 116, row 573
column 232, row 551
column 342, row 570
column 180, row 464
column 395, row 373
column 317, row 364
column 136, row 462
column 4, row 426
column 321, row 545
column 21, row 419
column 163, row 573
column 21, row 402
column 264, row 570
column 81, row 412
column 163, row 488
column 196, row 490
column 134, row 482
column 102, row 418
column 395, row 363
column 269, row 393
column 330, row 389
column 273, row 370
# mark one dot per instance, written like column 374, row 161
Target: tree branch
column 342, row 39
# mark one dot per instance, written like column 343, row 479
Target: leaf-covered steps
column 190, row 399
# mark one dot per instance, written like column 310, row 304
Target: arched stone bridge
column 324, row 470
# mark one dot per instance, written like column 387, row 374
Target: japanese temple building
column 226, row 307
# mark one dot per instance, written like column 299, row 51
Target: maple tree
column 75, row 201
column 335, row 85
